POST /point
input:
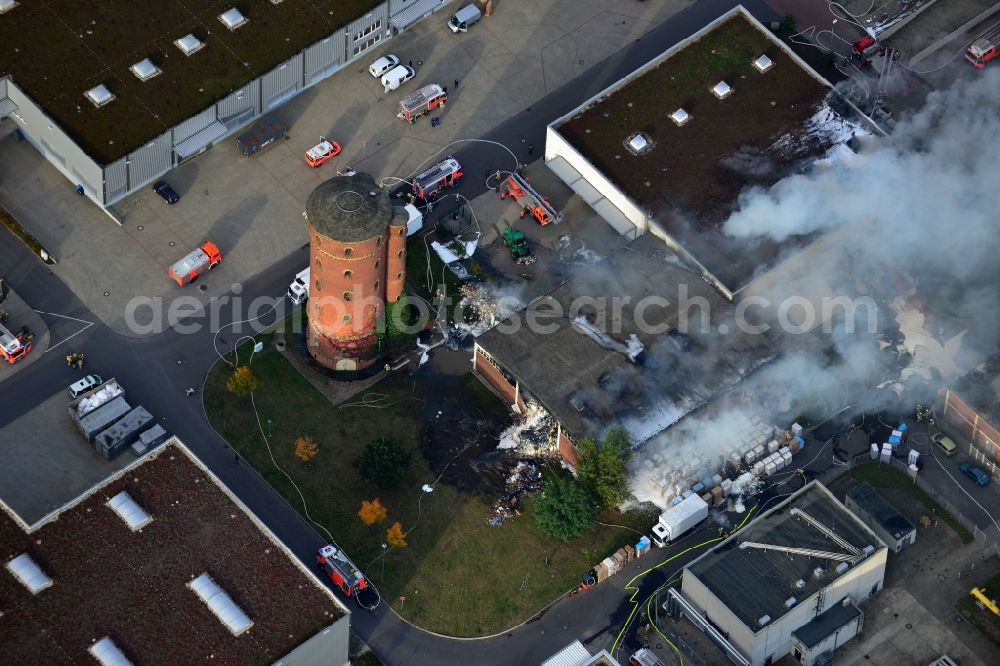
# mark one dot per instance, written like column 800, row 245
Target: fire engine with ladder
column 985, row 48
column 422, row 102
column 341, row 570
column 441, row 175
column 517, row 188
column 13, row 347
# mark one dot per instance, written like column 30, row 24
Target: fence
column 990, row 544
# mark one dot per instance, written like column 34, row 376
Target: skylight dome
column 189, row 44
column 144, row 70
column 99, row 95
column 763, row 64
column 680, row 116
column 721, row 90
column 232, row 19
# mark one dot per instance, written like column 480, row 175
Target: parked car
column 78, row 388
column 980, row 477
column 382, row 65
column 397, row 76
column 944, row 444
column 322, row 152
column 168, row 193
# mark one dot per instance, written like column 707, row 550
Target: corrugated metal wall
column 150, row 161
column 323, row 58
column 57, row 147
column 281, row 83
column 194, row 124
column 3, row 87
column 115, row 180
column 242, row 103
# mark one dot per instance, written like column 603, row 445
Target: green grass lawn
column 881, row 476
column 460, row 576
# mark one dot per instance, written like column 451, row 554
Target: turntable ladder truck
column 985, row 48
column 341, row 570
column 517, row 188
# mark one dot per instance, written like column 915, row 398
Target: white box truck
column 298, row 290
column 678, row 519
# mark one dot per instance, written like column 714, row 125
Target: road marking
column 82, row 321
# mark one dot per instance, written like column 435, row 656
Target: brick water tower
column 357, row 259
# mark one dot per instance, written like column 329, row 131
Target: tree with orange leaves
column 373, row 512
column 395, row 537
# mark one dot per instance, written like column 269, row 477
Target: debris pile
column 535, row 434
column 525, row 479
column 486, row 309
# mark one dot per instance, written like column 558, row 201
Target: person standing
column 531, row 149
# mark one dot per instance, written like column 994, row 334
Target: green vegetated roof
column 684, row 168
column 57, row 50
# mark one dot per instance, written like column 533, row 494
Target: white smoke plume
column 927, row 195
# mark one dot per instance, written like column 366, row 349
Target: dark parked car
column 168, row 193
column 979, row 476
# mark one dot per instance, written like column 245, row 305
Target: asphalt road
column 158, row 369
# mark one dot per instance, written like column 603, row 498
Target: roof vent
column 817, row 572
column 800, row 583
column 763, row 64
column 189, row 44
column 680, row 116
column 842, row 567
column 639, row 143
column 130, row 512
column 275, row 2
column 7, row 5
column 790, row 601
column 722, row 90
column 233, row 19
column 26, row 571
column 99, row 95
column 764, row 619
column 221, row 604
column 106, row 652
column 144, row 70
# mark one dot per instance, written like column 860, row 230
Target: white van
column 397, row 76
column 463, row 18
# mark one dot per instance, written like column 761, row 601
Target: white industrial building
column 107, row 182
column 788, row 583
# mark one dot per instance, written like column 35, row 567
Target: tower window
column 399, row 275
column 402, row 230
column 376, row 284
column 348, row 274
column 399, row 254
column 319, row 286
column 347, row 319
column 319, row 264
column 348, row 251
column 348, row 296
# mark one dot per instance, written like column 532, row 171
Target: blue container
column 703, row 472
column 902, row 427
column 698, row 488
column 894, row 440
column 677, row 500
column 800, row 440
column 686, row 494
column 708, row 482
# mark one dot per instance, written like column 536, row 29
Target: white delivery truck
column 298, row 290
column 414, row 219
column 678, row 519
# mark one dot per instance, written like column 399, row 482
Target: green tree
column 603, row 466
column 564, row 508
column 384, row 461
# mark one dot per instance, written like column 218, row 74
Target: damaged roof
column 131, row 585
column 980, row 389
column 768, row 123
column 778, row 576
column 594, row 365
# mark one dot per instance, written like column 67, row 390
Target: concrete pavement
column 20, row 314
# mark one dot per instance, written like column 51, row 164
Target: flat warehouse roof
column 980, row 389
column 692, row 174
column 132, row 585
column 57, row 50
column 577, row 363
column 753, row 583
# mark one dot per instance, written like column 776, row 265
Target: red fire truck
column 13, row 347
column 422, row 102
column 195, row 263
column 985, row 48
column 441, row 175
column 341, row 570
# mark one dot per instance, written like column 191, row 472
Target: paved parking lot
column 44, row 468
column 252, row 208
